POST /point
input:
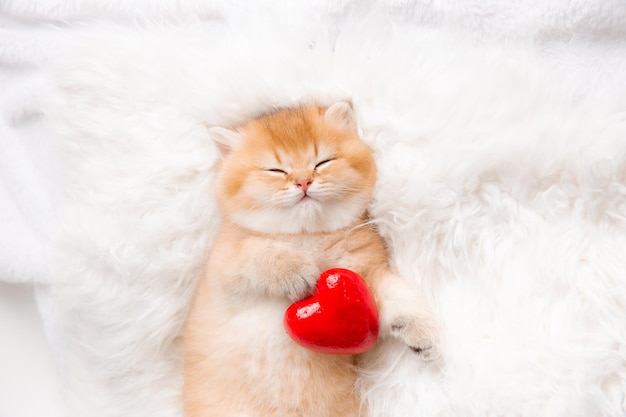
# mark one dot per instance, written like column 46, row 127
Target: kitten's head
column 298, row 170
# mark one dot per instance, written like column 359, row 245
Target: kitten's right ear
column 225, row 139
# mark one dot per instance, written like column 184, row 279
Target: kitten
column 294, row 188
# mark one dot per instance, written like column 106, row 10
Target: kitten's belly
column 259, row 324
column 275, row 373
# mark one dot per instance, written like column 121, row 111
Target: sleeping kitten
column 294, row 188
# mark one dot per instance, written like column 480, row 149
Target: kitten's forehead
column 289, row 129
column 302, row 155
column 295, row 137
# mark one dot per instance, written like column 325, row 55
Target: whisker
column 360, row 225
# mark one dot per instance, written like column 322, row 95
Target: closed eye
column 324, row 162
column 275, row 171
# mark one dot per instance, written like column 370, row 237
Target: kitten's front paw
column 421, row 336
column 295, row 275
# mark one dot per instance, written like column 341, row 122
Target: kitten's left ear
column 341, row 115
column 225, row 139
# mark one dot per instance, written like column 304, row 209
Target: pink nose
column 303, row 184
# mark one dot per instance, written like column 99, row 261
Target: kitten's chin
column 306, row 217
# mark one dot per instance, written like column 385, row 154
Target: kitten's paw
column 420, row 335
column 296, row 275
column 302, row 283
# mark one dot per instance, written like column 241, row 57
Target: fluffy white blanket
column 500, row 134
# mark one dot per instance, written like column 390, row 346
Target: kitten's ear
column 341, row 115
column 225, row 139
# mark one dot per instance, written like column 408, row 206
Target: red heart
column 340, row 317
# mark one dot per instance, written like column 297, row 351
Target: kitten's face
column 299, row 170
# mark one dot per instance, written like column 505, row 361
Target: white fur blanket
column 500, row 135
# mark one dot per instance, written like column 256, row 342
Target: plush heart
column 340, row 317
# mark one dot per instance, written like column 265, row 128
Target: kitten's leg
column 268, row 267
column 404, row 313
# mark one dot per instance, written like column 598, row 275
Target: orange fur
column 272, row 245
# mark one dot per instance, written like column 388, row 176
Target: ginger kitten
column 293, row 188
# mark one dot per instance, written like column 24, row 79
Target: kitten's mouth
column 306, row 197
